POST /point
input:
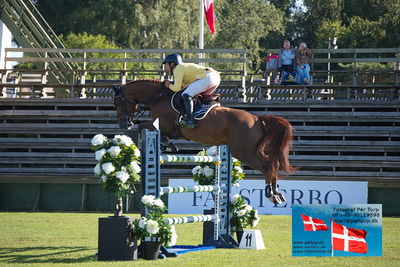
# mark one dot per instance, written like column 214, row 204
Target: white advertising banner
column 295, row 192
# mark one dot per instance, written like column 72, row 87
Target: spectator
column 287, row 59
column 303, row 64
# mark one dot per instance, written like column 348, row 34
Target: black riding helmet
column 173, row 58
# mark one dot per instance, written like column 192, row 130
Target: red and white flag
column 313, row 224
column 348, row 239
column 209, row 10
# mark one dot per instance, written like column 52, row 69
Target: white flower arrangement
column 99, row 140
column 235, row 198
column 208, row 172
column 123, row 140
column 118, row 163
column 148, row 200
column 243, row 215
column 153, row 225
column 100, row 153
column 114, row 151
column 204, row 174
column 123, row 176
column 108, row 167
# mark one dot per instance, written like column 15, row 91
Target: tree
column 165, row 23
column 315, row 12
column 367, row 23
column 243, row 24
column 329, row 29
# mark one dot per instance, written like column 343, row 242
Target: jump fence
column 151, row 179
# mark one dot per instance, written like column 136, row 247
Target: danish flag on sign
column 349, row 239
column 209, row 10
column 313, row 224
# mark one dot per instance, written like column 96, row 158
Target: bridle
column 140, row 107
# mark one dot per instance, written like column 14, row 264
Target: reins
column 139, row 111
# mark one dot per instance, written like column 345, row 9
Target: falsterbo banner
column 337, row 230
column 295, row 192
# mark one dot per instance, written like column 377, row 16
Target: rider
column 198, row 79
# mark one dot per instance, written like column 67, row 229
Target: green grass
column 40, row 239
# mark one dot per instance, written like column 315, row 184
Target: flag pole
column 331, row 237
column 201, row 30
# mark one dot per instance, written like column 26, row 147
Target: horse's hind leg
column 272, row 192
column 271, row 188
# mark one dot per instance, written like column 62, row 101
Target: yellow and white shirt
column 187, row 73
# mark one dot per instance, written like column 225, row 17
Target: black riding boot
column 188, row 102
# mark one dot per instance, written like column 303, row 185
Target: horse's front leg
column 165, row 143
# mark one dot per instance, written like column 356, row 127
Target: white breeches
column 206, row 85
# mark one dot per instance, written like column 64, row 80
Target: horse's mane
column 144, row 81
column 149, row 83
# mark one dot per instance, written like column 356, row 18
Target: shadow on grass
column 45, row 255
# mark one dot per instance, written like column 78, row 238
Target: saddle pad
column 200, row 109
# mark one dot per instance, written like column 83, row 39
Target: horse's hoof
column 174, row 148
column 274, row 199
column 277, row 200
column 281, row 197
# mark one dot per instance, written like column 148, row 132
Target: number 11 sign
column 252, row 239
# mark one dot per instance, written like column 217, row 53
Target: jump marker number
column 248, row 239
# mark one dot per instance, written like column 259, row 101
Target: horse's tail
column 274, row 146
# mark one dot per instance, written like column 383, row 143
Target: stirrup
column 188, row 124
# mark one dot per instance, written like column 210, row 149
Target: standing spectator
column 286, row 59
column 303, row 64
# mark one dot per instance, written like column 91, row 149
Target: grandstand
column 347, row 128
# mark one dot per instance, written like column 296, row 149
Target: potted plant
column 153, row 227
column 204, row 173
column 243, row 215
column 118, row 165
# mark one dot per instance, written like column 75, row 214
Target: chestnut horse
column 261, row 142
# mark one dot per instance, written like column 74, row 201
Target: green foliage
column 243, row 24
column 360, row 33
column 85, row 40
column 243, row 215
column 329, row 29
column 166, row 24
column 363, row 33
column 356, row 24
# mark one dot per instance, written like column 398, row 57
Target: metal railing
column 30, row 29
column 348, row 65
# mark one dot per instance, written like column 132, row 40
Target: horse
column 261, row 142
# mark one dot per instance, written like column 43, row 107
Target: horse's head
column 125, row 109
column 130, row 100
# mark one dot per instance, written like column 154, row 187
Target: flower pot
column 150, row 250
column 112, row 240
column 239, row 235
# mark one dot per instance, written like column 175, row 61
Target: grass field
column 41, row 239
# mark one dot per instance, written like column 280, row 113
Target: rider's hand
column 167, row 83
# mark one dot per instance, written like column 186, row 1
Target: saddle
column 202, row 104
